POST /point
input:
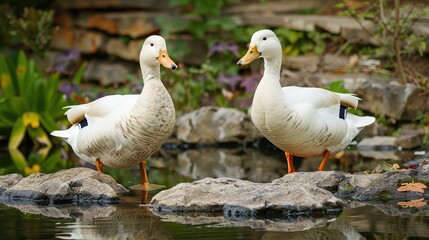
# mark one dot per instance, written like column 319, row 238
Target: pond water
column 130, row 219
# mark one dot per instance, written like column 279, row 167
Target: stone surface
column 81, row 185
column 239, row 198
column 8, row 181
column 384, row 187
column 103, row 4
column 128, row 51
column 274, row 6
column 410, row 139
column 380, row 96
column 108, row 73
column 378, row 143
column 133, row 24
column 210, row 125
column 82, row 40
column 346, row 26
column 293, row 194
column 327, row 180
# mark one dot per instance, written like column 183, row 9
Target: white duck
column 120, row 131
column 301, row 121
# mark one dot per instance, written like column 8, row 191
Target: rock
column 240, row 198
column 346, row 26
column 354, row 184
column 107, row 73
column 273, row 6
column 8, row 181
column 328, row 180
column 211, row 125
column 133, row 24
column 81, row 185
column 331, row 62
column 409, row 139
column 128, row 51
column 377, row 143
column 380, row 96
column 118, row 4
column 82, row 40
column 384, row 187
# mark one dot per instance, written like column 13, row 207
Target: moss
column 383, row 196
column 411, row 180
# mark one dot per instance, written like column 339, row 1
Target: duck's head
column 154, row 52
column 265, row 44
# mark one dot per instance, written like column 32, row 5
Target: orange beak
column 165, row 60
column 251, row 55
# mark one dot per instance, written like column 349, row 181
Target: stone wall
column 109, row 34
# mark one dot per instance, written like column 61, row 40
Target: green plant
column 393, row 28
column 34, row 28
column 203, row 19
column 30, row 106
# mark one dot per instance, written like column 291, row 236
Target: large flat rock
column 237, row 198
column 301, row 193
column 79, row 185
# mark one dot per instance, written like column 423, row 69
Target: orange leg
column 289, row 158
column 144, row 181
column 99, row 165
column 326, row 154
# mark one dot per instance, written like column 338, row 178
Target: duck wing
column 318, row 97
column 101, row 107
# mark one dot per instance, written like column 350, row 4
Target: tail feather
column 67, row 133
column 349, row 100
column 360, row 122
column 76, row 113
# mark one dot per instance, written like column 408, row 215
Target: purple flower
column 223, row 47
column 68, row 89
column 71, row 54
column 245, row 103
column 230, row 80
column 136, row 88
column 250, row 83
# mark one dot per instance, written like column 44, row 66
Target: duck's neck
column 150, row 73
column 271, row 78
column 272, row 67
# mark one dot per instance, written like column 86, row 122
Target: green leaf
column 48, row 123
column 21, row 71
column 6, row 81
column 77, row 78
column 18, row 159
column 17, row 134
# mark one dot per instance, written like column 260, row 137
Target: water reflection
column 250, row 164
column 286, row 224
column 130, row 220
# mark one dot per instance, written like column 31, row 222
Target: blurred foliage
column 30, row 107
column 35, row 29
column 394, row 22
column 26, row 25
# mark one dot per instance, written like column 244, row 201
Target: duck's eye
column 265, row 38
column 151, row 44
